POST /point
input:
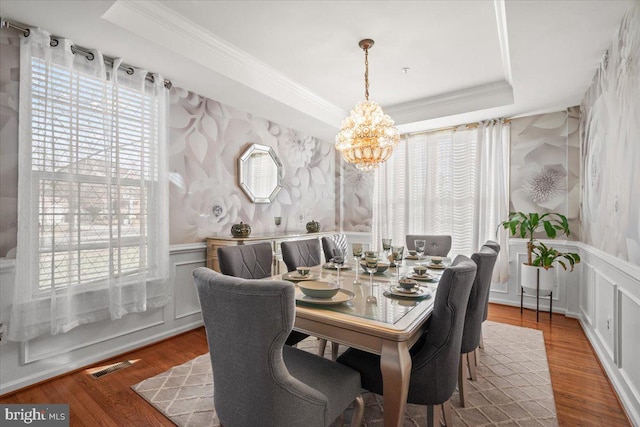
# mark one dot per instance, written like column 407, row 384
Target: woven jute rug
column 513, row 387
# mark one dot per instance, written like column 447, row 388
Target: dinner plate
column 424, row 278
column 330, row 266
column 397, row 291
column 294, row 276
column 342, row 296
column 411, row 257
column 441, row 266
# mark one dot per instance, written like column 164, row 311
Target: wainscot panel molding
column 24, row 364
column 566, row 282
column 603, row 293
column 610, row 318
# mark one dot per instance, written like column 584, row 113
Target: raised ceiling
column 298, row 63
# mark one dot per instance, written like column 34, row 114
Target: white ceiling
column 298, row 63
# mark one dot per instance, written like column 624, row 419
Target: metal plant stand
column 537, row 298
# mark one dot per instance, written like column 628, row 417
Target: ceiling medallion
column 367, row 137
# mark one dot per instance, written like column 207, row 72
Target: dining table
column 388, row 327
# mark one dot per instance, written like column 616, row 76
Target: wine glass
column 371, row 264
column 338, row 261
column 357, row 255
column 397, row 252
column 420, row 247
column 386, row 247
column 277, row 220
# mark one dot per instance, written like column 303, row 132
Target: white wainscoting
column 37, row 360
column 610, row 317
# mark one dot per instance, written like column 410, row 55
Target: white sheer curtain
column 93, row 198
column 450, row 182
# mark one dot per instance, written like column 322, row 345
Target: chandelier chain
column 366, row 74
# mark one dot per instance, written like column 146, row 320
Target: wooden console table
column 213, row 243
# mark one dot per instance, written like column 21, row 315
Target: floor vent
column 111, row 368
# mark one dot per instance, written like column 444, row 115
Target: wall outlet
column 609, row 324
column 3, row 332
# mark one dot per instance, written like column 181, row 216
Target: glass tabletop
column 389, row 308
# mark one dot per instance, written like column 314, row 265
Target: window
column 93, row 190
column 450, row 182
column 92, row 165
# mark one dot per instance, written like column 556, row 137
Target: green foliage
column 545, row 256
column 526, row 225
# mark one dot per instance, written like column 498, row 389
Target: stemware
column 357, row 255
column 371, row 264
column 420, row 247
column 398, row 253
column 338, row 261
column 386, row 247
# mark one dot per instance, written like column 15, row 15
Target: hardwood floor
column 583, row 394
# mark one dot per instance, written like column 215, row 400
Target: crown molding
column 503, row 37
column 476, row 98
column 156, row 22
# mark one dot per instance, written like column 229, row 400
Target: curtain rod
column 76, row 49
column 467, row 126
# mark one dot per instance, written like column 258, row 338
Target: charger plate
column 294, row 276
column 397, row 291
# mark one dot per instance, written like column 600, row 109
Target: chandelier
column 367, row 137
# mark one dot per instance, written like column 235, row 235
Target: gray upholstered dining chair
column 436, row 355
column 329, row 247
column 246, row 261
column 496, row 247
column 485, row 260
column 306, row 253
column 436, row 245
column 333, row 242
column 301, row 253
column 251, row 262
column 258, row 381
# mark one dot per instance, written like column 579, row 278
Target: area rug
column 513, row 387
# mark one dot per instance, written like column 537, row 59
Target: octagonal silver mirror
column 260, row 173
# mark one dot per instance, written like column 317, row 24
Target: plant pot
column 529, row 278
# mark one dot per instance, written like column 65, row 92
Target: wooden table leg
column 395, row 364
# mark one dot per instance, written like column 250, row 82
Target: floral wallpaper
column 206, row 139
column 545, row 171
column 610, row 131
column 357, row 197
column 9, row 80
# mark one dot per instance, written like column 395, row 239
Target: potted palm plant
column 540, row 257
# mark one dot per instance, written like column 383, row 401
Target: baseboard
column 44, row 375
column 529, row 306
column 628, row 401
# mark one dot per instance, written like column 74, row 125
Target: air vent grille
column 111, row 368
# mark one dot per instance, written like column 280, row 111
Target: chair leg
column 462, row 381
column 334, row 350
column 476, row 356
column 358, row 411
column 481, row 339
column 322, row 345
column 447, row 413
column 431, row 416
column 550, row 305
column 471, row 358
